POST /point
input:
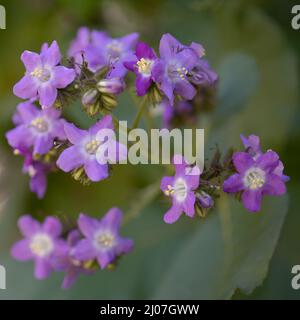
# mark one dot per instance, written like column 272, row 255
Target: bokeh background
column 254, row 48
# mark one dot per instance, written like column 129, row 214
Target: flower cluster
column 95, row 244
column 179, row 82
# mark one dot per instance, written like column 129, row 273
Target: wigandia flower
column 36, row 128
column 108, row 52
column 102, row 239
column 43, row 75
column 181, row 189
column 252, row 146
column 40, row 243
column 64, row 260
column 89, row 151
column 172, row 69
column 255, row 178
column 142, row 65
column 202, row 74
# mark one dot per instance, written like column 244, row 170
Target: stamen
column 179, row 190
column 92, row 146
column 41, row 245
column 40, row 124
column 105, row 240
column 254, row 178
column 41, row 73
column 145, row 66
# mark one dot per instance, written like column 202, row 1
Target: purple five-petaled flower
column 112, row 53
column 90, row 150
column 252, row 146
column 255, row 178
column 142, row 65
column 181, row 189
column 171, row 71
column 64, row 260
column 40, row 244
column 43, row 75
column 36, row 128
column 102, row 240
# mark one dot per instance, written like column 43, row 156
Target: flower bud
column 205, row 200
column 111, row 86
column 90, row 97
column 108, row 102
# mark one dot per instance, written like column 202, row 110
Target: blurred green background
column 255, row 50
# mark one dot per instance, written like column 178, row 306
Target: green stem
column 140, row 112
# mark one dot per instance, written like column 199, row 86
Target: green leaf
column 230, row 250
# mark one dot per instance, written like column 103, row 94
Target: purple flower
column 40, row 243
column 252, row 146
column 255, row 178
column 108, row 52
column 102, row 240
column 43, row 75
column 181, row 189
column 89, row 151
column 36, row 128
column 79, row 45
column 202, row 74
column 142, row 65
column 64, row 260
column 172, row 69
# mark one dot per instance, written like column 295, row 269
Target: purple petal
column 105, row 258
column 52, row 56
column 84, row 250
column 274, row 185
column 113, row 218
column 47, row 95
column 185, row 89
column 52, row 226
column 192, row 181
column 130, row 65
column 21, row 251
column 189, row 204
column 268, row 161
column 43, row 144
column 168, row 46
column 58, row 130
column 165, row 182
column 28, row 226
column 30, row 60
column 252, row 142
column 96, row 171
column 63, row 76
column 242, row 161
column 105, row 123
column 70, row 159
column 70, row 278
column 198, row 48
column 74, row 134
column 252, row 200
column 27, row 111
column 87, row 225
column 142, row 84
column 38, row 184
column 19, row 137
column 144, row 51
column 167, row 87
column 42, row 268
column 129, row 41
column 233, row 184
column 124, row 246
column 26, row 88
column 173, row 214
column 118, row 70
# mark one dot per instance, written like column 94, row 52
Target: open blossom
column 180, row 189
column 172, row 70
column 64, row 260
column 40, row 243
column 43, row 75
column 252, row 146
column 89, row 150
column 142, row 64
column 255, row 178
column 36, row 128
column 110, row 52
column 102, row 239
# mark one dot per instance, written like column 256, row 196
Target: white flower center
column 41, row 245
column 175, row 72
column 179, row 190
column 254, row 178
column 92, row 146
column 41, row 74
column 40, row 124
column 145, row 66
column 104, row 240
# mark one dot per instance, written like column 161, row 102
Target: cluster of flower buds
column 179, row 80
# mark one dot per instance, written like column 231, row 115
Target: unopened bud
column 111, row 86
column 90, row 97
column 205, row 200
